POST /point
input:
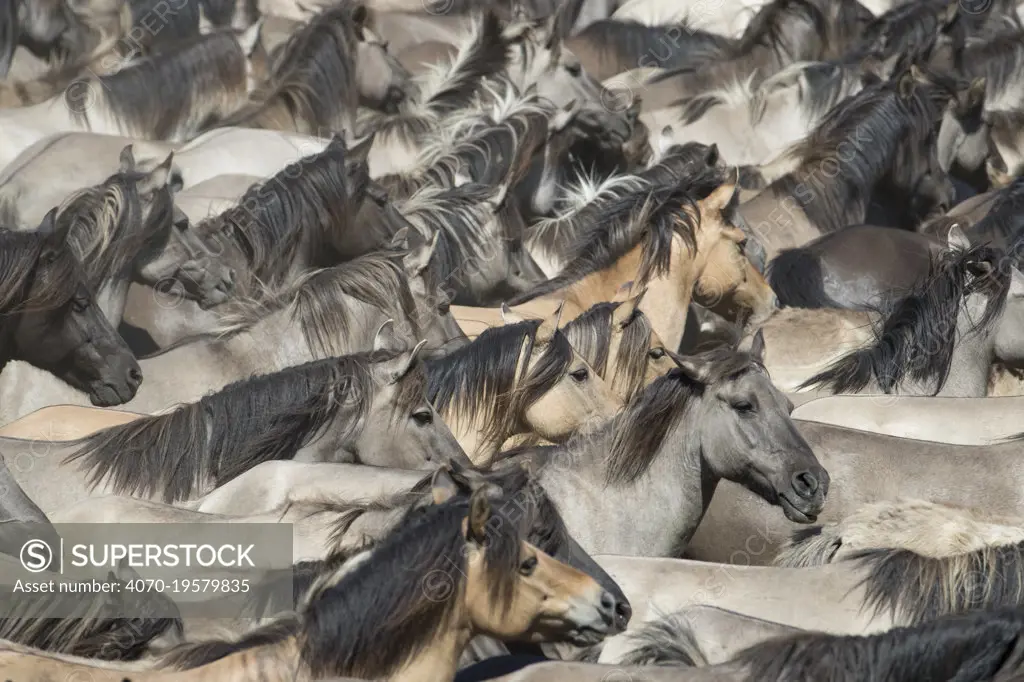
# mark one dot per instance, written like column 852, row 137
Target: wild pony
column 495, row 583
column 326, row 69
column 660, row 239
column 50, row 320
column 618, row 342
column 126, row 229
column 203, row 79
column 940, row 338
column 368, row 408
column 724, row 401
column 326, row 313
column 297, row 220
column 515, row 379
column 878, row 144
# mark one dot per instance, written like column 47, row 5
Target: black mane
column 917, row 333
column 264, row 418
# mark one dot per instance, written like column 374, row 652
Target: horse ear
column 48, row 225
column 974, row 98
column 564, row 116
column 627, row 310
column 158, row 177
column 757, row 347
column 418, row 258
column 205, row 25
column 127, row 160
column 950, row 14
column 546, row 330
column 479, row 515
column 407, row 363
column 249, row 39
column 400, row 240
column 386, row 339
column 694, row 367
column 719, row 199
column 711, row 157
column 956, row 239
column 443, row 487
column 509, row 316
column 665, row 140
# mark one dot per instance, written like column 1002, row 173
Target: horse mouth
column 109, row 395
column 586, row 636
column 794, row 514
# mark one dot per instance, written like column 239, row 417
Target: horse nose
column 805, row 483
column 623, row 612
column 395, row 95
column 613, row 612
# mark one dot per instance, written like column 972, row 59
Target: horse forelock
column 105, row 227
column 19, row 261
column 493, row 379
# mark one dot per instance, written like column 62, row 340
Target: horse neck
column 269, row 345
column 971, row 360
column 278, row 662
column 667, row 306
column 606, row 518
column 468, row 431
column 439, row 661
column 112, row 297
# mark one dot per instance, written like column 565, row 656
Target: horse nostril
column 805, row 484
column 135, row 375
column 623, row 612
column 231, row 275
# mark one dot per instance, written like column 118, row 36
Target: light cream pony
column 656, row 258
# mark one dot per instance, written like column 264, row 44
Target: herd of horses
column 576, row 341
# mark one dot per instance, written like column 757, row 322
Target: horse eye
column 580, row 375
column 743, row 406
column 656, row 353
column 423, row 418
column 574, row 70
column 528, row 566
column 79, row 304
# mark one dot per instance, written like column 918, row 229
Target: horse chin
column 106, row 395
column 794, row 514
column 212, row 299
column 585, row 637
